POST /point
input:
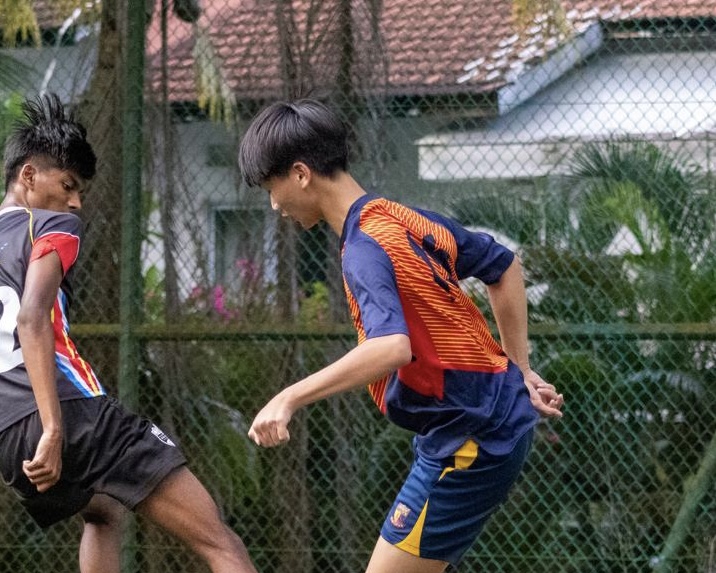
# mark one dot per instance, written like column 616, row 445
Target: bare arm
column 34, row 329
column 509, row 304
column 365, row 363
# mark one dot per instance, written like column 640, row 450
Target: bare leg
column 101, row 543
column 387, row 558
column 182, row 506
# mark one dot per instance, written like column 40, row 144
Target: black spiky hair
column 50, row 132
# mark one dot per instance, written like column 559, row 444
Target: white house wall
column 668, row 98
column 455, row 162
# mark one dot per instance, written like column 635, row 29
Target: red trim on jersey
column 67, row 246
column 71, row 363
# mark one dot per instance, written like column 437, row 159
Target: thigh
column 444, row 504
column 104, row 510
column 125, row 456
column 181, row 505
column 387, row 558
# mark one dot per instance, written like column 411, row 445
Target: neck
column 337, row 196
column 12, row 199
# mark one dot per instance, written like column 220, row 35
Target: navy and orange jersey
column 401, row 271
column 26, row 235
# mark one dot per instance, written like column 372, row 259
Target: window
column 240, row 246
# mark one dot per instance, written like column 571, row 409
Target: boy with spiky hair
column 66, row 447
column 424, row 350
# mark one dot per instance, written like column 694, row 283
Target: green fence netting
column 581, row 134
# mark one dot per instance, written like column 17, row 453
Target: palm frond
column 14, row 74
column 671, row 180
column 628, row 206
column 525, row 217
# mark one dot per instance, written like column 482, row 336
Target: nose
column 75, row 201
column 274, row 205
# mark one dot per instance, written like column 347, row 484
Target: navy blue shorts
column 444, row 504
column 106, row 449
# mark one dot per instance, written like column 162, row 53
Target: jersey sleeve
column 478, row 254
column 370, row 277
column 58, row 233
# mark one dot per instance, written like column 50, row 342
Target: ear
column 301, row 172
column 27, row 175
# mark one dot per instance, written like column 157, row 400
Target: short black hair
column 303, row 130
column 49, row 132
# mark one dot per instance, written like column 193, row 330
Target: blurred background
column 579, row 133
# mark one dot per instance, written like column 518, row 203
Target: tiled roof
column 51, row 14
column 416, row 47
column 47, row 14
column 243, row 38
column 431, row 46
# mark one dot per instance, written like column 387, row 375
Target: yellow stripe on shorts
column 464, row 458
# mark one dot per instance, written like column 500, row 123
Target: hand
column 544, row 396
column 270, row 426
column 45, row 468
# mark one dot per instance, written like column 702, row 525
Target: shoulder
column 55, row 222
column 362, row 251
column 57, row 217
column 366, row 264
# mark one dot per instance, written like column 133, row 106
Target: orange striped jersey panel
column 417, row 254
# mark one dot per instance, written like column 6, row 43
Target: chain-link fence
column 578, row 133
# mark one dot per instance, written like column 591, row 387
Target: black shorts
column 106, row 449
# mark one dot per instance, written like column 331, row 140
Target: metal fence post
column 130, row 274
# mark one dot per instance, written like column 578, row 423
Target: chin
column 306, row 226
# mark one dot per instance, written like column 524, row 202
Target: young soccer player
column 424, row 349
column 65, row 446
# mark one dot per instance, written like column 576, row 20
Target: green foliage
column 154, row 299
column 665, row 205
column 519, row 216
column 10, row 112
column 626, row 237
column 671, row 181
column 314, row 310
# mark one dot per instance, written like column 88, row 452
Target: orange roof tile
column 51, row 14
column 430, row 46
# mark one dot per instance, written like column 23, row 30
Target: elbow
column 385, row 354
column 24, row 323
column 31, row 323
column 401, row 351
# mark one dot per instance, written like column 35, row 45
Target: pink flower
column 248, row 269
column 220, row 304
column 218, row 294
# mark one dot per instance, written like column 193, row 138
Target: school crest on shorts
column 162, row 436
column 400, row 515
